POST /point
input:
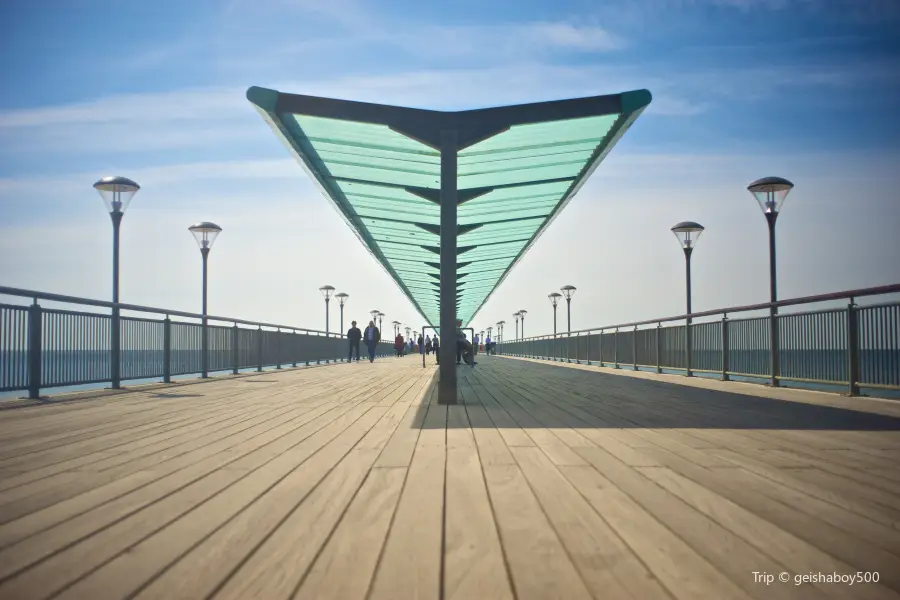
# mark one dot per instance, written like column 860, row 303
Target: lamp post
column 327, row 292
column 516, row 315
column 205, row 233
column 687, row 233
column 522, row 314
column 396, row 325
column 380, row 321
column 771, row 193
column 554, row 300
column 342, row 298
column 116, row 193
column 500, row 325
column 374, row 314
column 568, row 291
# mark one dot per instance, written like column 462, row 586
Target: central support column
column 447, row 382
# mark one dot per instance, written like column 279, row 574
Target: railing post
column 294, row 346
column 773, row 347
column 35, row 340
column 689, row 348
column 115, row 354
column 616, row 348
column 167, row 350
column 259, row 349
column 278, row 348
column 578, row 348
column 600, row 349
column 235, row 352
column 634, row 348
column 725, row 365
column 852, row 349
column 587, row 350
column 658, row 347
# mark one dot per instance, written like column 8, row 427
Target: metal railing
column 852, row 346
column 50, row 347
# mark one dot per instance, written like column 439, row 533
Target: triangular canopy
column 517, row 167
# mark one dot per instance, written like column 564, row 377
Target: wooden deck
column 349, row 481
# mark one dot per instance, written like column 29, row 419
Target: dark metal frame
column 447, row 132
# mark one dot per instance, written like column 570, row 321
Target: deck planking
column 544, row 481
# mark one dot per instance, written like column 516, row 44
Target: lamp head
column 205, row 233
column 116, row 192
column 770, row 192
column 687, row 233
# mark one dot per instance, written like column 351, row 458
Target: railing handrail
column 857, row 293
column 9, row 291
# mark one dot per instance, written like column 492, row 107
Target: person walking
column 487, row 345
column 372, row 336
column 353, row 337
column 421, row 344
column 436, row 346
column 398, row 345
column 427, row 344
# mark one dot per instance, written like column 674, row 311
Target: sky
column 802, row 89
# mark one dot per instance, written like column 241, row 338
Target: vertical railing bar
column 259, row 349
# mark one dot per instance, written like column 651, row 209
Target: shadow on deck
column 541, row 394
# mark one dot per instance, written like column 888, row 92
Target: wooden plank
column 276, row 486
column 271, row 525
column 492, row 450
column 276, row 550
column 683, row 572
column 788, row 479
column 473, row 559
column 64, row 567
column 345, row 567
column 105, row 506
column 607, row 565
column 538, row 562
column 734, row 557
column 399, row 449
column 795, row 554
column 410, row 565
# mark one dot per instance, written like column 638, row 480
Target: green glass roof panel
column 548, row 133
column 380, row 166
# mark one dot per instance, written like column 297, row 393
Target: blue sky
column 805, row 89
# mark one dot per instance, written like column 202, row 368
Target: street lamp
column 688, row 232
column 205, row 233
column 500, row 325
column 327, row 292
column 380, row 317
column 522, row 314
column 517, row 315
column 568, row 291
column 407, row 333
column 116, row 193
column 396, row 325
column 342, row 298
column 554, row 300
column 771, row 193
